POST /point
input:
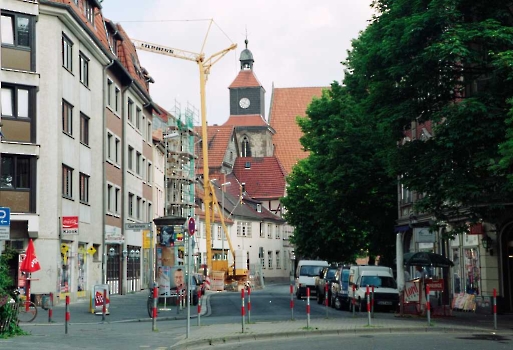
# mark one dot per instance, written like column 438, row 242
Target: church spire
column 246, row 58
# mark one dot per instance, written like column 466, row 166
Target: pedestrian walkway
column 129, row 323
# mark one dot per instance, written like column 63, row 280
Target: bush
column 8, row 310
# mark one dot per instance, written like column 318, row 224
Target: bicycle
column 26, row 309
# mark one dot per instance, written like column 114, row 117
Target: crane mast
column 204, row 66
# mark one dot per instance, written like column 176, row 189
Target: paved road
column 129, row 327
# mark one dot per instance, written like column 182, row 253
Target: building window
column 84, row 69
column 130, row 110
column 259, row 208
column 149, row 131
column 67, row 182
column 16, row 30
column 15, row 172
column 84, row 129
column 116, row 99
column 117, row 200
column 131, row 205
column 130, row 158
column 67, row 53
column 269, row 231
column 278, row 261
column 138, row 118
column 15, row 102
column 110, row 198
column 246, row 150
column 67, row 118
column 117, row 150
column 109, row 92
column 244, row 229
column 150, row 212
column 219, row 228
column 89, row 11
column 138, row 208
column 270, row 259
column 262, row 232
column 110, row 144
column 277, row 230
column 148, row 174
column 138, row 163
column 84, row 188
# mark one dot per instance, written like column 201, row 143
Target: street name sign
column 137, row 226
column 5, row 223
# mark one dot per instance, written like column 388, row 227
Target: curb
column 184, row 344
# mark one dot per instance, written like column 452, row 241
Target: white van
column 306, row 272
column 386, row 294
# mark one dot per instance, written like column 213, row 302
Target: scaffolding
column 179, row 138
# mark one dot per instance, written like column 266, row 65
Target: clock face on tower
column 244, row 102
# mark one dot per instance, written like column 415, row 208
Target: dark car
column 326, row 277
column 340, row 288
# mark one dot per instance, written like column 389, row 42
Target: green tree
column 8, row 316
column 340, row 199
column 445, row 63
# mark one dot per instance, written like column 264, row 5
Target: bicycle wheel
column 27, row 314
column 150, row 307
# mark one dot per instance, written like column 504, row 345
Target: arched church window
column 245, row 147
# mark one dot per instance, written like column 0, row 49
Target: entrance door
column 114, row 277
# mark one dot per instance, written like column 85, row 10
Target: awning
column 401, row 228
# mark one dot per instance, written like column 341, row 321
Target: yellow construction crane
column 204, row 66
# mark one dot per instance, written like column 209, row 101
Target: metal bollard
column 154, row 311
column 494, row 308
column 307, row 307
column 291, row 302
column 242, row 309
column 50, row 309
column 67, row 315
column 104, row 307
column 368, row 306
column 199, row 307
column 372, row 302
column 249, row 304
column 428, row 306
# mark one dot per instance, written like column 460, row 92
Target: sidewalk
column 129, row 323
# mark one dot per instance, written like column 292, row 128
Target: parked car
column 340, row 288
column 306, row 272
column 386, row 294
column 326, row 276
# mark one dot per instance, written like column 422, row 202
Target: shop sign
column 70, row 225
column 423, row 235
column 113, row 235
column 411, row 292
column 435, row 285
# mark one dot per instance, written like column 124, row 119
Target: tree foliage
column 443, row 66
column 8, row 316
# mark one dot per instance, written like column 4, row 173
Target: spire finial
column 246, row 41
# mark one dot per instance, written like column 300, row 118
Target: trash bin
column 45, row 301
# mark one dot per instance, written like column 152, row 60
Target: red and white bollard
column 494, row 308
column 367, row 294
column 50, row 308
column 428, row 305
column 67, row 317
column 249, row 304
column 199, row 306
column 242, row 309
column 291, row 302
column 104, row 306
column 154, row 311
column 307, row 307
column 372, row 302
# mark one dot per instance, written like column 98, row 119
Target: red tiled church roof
column 218, row 140
column 245, row 78
column 286, row 105
column 246, row 120
column 264, row 177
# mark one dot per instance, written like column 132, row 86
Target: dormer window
column 259, row 208
column 89, row 12
column 247, row 165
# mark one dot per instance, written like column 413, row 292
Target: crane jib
column 157, row 48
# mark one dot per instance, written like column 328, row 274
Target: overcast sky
column 295, row 43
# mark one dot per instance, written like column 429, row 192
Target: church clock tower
column 247, row 95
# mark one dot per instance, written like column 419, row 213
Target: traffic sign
column 137, row 226
column 5, row 216
column 192, row 226
column 5, row 223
